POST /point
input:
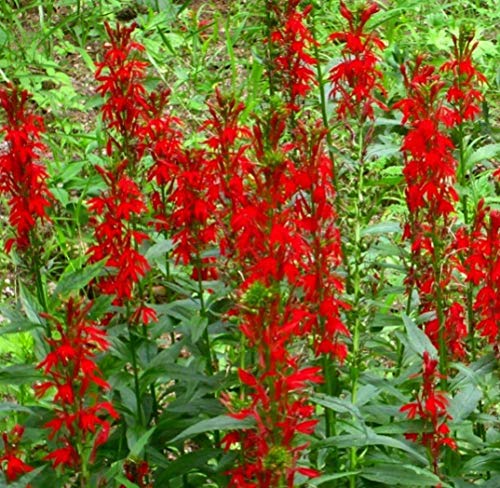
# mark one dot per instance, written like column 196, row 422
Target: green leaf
column 330, row 477
column 464, row 403
column 400, row 475
column 135, row 445
column 27, row 478
column 222, row 422
column 30, row 305
column 10, row 407
column 382, row 228
column 19, row 374
column 125, row 482
column 369, row 438
column 197, row 326
column 17, row 322
column 186, row 463
column 488, row 151
column 475, row 372
column 74, row 280
column 417, row 339
column 339, row 405
column 484, row 463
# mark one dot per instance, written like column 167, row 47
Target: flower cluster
column 430, row 175
column 321, row 243
column 116, row 240
column 268, row 248
column 125, row 110
column 463, row 94
column 356, row 80
column 22, row 175
column 118, row 209
column 11, row 462
column 290, row 41
column 70, row 369
column 482, row 268
column 431, row 406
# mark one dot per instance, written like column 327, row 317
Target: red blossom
column 267, row 244
column 430, row 175
column 356, row 80
column 129, row 114
column 22, row 176
column 71, row 370
column 10, row 461
column 463, row 94
column 139, row 473
column 431, row 406
column 482, row 268
column 290, row 42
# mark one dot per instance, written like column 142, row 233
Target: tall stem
column 356, row 287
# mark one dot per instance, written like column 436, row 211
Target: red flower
column 356, row 80
column 267, row 247
column 463, row 94
column 430, row 175
column 139, row 473
column 118, row 210
column 290, row 42
column 431, row 406
column 482, row 267
column 70, row 368
column 11, row 462
column 22, row 176
column 122, row 76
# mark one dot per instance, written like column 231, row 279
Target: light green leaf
column 339, row 405
column 369, row 438
column 30, row 305
column 330, row 477
column 400, row 475
column 483, row 153
column 464, row 403
column 417, row 339
column 381, row 228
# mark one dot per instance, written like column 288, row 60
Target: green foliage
column 166, row 379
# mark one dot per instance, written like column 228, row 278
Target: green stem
column 135, row 369
column 210, row 358
column 469, row 297
column 357, row 291
column 443, row 349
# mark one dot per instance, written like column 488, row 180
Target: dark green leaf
column 187, row 462
column 74, row 280
column 400, row 475
column 19, row 374
column 222, row 422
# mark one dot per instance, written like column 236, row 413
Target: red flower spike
column 71, row 370
column 430, row 175
column 290, row 44
column 463, row 94
column 431, row 406
column 482, row 267
column 356, row 81
column 130, row 115
column 269, row 240
column 22, row 176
